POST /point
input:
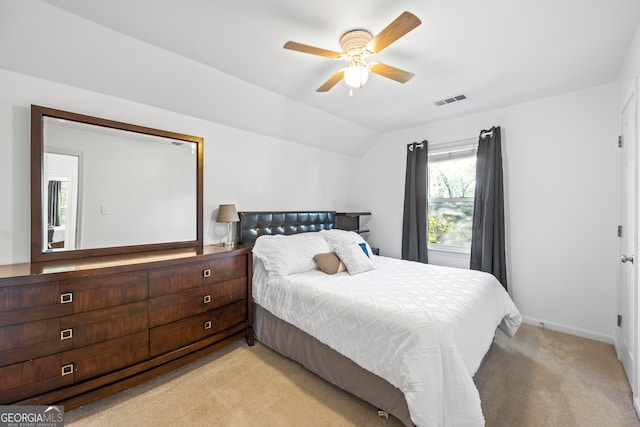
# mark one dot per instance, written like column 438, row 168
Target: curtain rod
column 483, row 135
column 416, row 144
column 486, row 133
column 468, row 139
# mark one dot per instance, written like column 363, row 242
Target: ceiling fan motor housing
column 353, row 43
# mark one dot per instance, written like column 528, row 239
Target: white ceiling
column 496, row 52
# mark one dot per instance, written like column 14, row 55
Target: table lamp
column 228, row 214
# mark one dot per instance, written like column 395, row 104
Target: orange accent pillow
column 329, row 263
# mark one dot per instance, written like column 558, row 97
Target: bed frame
column 297, row 345
column 256, row 224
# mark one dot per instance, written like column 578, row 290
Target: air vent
column 450, row 100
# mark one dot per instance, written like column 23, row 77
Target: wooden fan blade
column 390, row 72
column 312, row 50
column 333, row 80
column 398, row 28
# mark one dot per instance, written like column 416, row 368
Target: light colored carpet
column 538, row 378
column 546, row 378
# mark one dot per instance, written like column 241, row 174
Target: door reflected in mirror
column 60, row 198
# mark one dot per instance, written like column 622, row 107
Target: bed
column 406, row 337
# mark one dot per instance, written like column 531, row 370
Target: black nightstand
column 350, row 221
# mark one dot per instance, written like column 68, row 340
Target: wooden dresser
column 75, row 331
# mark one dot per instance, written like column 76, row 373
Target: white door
column 627, row 303
column 64, row 168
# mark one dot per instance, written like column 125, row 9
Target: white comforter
column 423, row 328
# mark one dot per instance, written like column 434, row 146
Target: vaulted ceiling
column 495, row 52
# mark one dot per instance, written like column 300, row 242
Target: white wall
column 629, row 70
column 559, row 158
column 253, row 171
column 42, row 40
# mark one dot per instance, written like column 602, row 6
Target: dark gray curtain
column 487, row 239
column 54, row 203
column 414, row 225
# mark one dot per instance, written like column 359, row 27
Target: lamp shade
column 227, row 213
column 356, row 76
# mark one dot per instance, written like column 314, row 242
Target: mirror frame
column 38, row 113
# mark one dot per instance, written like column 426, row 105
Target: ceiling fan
column 357, row 46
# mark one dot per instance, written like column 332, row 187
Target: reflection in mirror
column 108, row 188
column 136, row 189
column 60, row 197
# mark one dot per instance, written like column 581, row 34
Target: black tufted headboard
column 255, row 224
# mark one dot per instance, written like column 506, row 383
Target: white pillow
column 336, row 238
column 354, row 258
column 284, row 255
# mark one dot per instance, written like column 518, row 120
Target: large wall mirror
column 101, row 187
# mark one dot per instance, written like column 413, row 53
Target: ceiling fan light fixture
column 356, row 76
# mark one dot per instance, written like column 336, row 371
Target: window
column 452, row 181
column 64, row 198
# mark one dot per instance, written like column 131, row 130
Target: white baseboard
column 568, row 330
column 636, row 404
column 617, row 347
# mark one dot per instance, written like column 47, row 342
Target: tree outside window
column 64, row 197
column 451, row 190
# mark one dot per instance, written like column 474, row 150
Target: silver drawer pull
column 207, row 324
column 206, row 273
column 207, row 299
column 65, row 334
column 67, row 369
column 66, row 298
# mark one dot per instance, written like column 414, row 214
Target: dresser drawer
column 27, row 303
column 27, row 296
column 91, row 293
column 105, row 324
column 32, row 377
column 40, row 375
column 30, row 341
column 227, row 268
column 172, row 307
column 98, row 359
column 228, row 291
column 178, row 334
column 171, row 279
